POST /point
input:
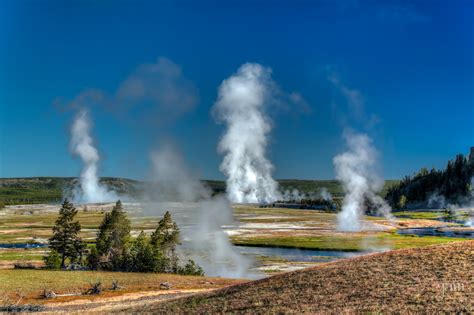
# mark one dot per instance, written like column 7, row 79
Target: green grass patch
column 21, row 254
column 344, row 243
column 425, row 215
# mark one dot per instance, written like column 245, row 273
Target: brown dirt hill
column 429, row 280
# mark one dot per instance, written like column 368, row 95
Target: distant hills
column 50, row 189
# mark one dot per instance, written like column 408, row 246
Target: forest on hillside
column 453, row 184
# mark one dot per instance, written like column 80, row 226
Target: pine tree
column 103, row 239
column 113, row 236
column 165, row 239
column 65, row 240
column 142, row 257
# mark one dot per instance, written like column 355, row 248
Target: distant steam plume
column 199, row 215
column 296, row 195
column 152, row 92
column 241, row 106
column 356, row 169
column 325, row 194
column 82, row 145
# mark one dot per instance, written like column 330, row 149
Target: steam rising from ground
column 201, row 224
column 325, row 194
column 470, row 221
column 241, row 106
column 296, row 195
column 82, row 145
column 466, row 204
column 356, row 169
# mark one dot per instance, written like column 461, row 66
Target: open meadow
column 263, row 233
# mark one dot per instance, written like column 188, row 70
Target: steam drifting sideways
column 199, row 215
column 241, row 106
column 356, row 169
column 82, row 145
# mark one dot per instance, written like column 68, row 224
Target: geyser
column 199, row 215
column 356, row 169
column 82, row 145
column 241, row 105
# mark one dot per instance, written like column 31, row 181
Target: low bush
column 191, row 269
column 52, row 261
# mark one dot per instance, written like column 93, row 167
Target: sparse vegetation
column 423, row 280
column 34, row 282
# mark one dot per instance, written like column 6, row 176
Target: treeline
column 454, row 183
column 115, row 249
column 308, row 203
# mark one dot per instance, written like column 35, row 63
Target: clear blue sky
column 411, row 61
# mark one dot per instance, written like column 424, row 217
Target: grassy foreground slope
column 431, row 279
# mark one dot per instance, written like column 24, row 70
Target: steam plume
column 356, row 168
column 325, row 194
column 203, row 217
column 241, row 106
column 82, row 145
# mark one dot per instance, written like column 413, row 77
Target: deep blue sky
column 411, row 61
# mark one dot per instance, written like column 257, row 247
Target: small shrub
column 402, row 202
column 95, row 289
column 93, row 259
column 49, row 294
column 191, row 269
column 52, row 261
column 23, row 264
column 116, row 286
column 165, row 286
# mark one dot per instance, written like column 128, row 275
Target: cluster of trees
column 454, row 183
column 308, row 203
column 115, row 249
column 319, row 203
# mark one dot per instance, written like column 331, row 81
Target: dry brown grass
column 32, row 283
column 428, row 280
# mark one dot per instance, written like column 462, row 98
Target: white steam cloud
column 325, row 194
column 470, row 221
column 241, row 106
column 356, row 169
column 199, row 215
column 296, row 195
column 82, row 145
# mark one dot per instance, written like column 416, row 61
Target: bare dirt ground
column 102, row 305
